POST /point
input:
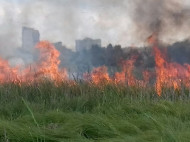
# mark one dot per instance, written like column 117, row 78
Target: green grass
column 83, row 113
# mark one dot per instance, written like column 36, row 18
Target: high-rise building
column 87, row 43
column 30, row 37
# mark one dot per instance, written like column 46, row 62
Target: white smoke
column 122, row 22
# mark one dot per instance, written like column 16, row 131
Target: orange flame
column 168, row 74
column 126, row 75
column 7, row 73
column 47, row 67
column 98, row 76
column 49, row 63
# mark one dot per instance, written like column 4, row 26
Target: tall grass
column 85, row 112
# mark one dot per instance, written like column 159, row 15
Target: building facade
column 86, row 44
column 30, row 37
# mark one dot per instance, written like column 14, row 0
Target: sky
column 124, row 22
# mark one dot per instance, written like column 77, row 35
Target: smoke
column 170, row 19
column 125, row 22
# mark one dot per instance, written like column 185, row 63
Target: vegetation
column 112, row 55
column 84, row 112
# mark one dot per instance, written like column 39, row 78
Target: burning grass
column 80, row 111
column 166, row 74
column 45, row 105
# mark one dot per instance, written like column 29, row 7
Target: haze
column 124, row 22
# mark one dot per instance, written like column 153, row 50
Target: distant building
column 87, row 43
column 30, row 38
column 58, row 44
column 66, row 55
column 61, row 48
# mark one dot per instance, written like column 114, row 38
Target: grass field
column 84, row 112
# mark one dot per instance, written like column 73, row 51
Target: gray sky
column 125, row 22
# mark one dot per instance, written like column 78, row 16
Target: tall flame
column 170, row 74
column 49, row 63
column 47, row 67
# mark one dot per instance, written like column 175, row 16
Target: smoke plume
column 170, row 19
column 125, row 22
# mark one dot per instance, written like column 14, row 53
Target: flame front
column 167, row 74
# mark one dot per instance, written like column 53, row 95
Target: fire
column 167, row 74
column 7, row 73
column 48, row 63
column 170, row 74
column 160, row 70
column 48, row 66
column 146, row 77
column 126, row 75
column 98, row 76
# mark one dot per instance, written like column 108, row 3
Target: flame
column 167, row 74
column 7, row 73
column 126, row 75
column 48, row 66
column 49, row 63
column 98, row 76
